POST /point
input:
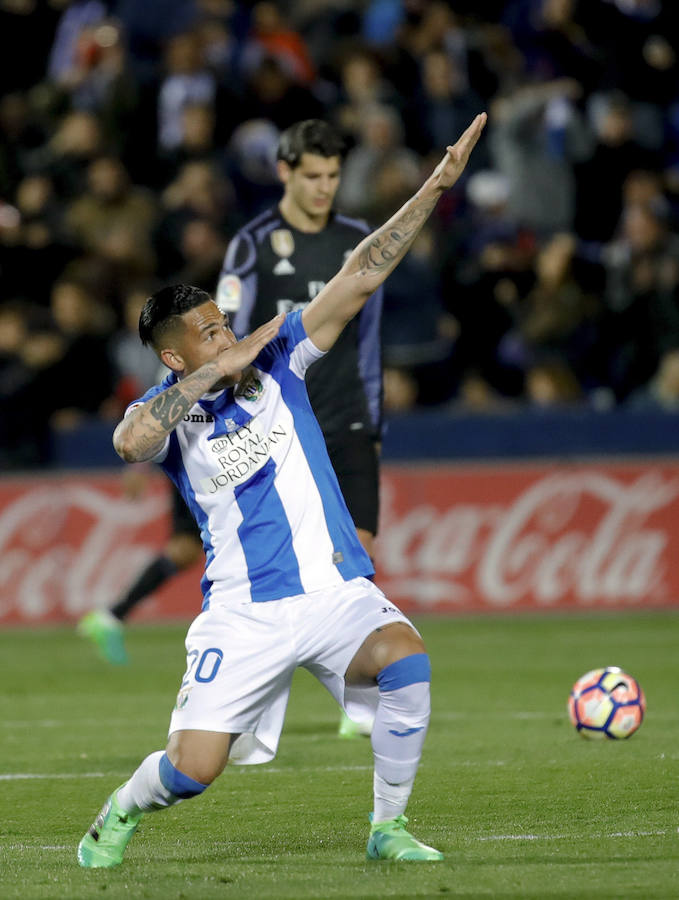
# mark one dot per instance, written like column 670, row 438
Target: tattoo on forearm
column 391, row 242
column 170, row 407
column 159, row 416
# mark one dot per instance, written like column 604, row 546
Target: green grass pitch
column 520, row 804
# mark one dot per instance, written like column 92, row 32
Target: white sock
column 397, row 739
column 145, row 792
column 390, row 800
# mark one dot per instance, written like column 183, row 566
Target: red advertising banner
column 513, row 537
column 453, row 539
column 69, row 543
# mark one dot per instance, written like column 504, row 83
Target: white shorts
column 241, row 658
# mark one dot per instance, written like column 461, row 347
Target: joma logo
column 198, row 417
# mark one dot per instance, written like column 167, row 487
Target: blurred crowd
column 136, row 137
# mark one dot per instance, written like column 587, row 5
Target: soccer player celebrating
column 285, row 582
column 279, row 262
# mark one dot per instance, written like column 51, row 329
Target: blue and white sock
column 155, row 785
column 398, row 733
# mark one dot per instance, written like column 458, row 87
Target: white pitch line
column 264, row 770
column 29, row 776
column 59, row 847
column 564, row 837
column 522, row 837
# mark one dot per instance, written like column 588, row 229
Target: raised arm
column 142, row 433
column 379, row 254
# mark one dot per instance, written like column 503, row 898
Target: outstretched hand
column 234, row 359
column 453, row 163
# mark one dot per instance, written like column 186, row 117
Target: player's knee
column 404, row 692
column 177, row 782
column 199, row 760
column 412, row 669
column 399, row 642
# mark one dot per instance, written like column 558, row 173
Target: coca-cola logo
column 583, row 537
column 69, row 547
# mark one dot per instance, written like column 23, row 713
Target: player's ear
column 283, row 170
column 172, row 359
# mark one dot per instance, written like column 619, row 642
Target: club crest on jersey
column 283, row 245
column 182, row 698
column 250, row 388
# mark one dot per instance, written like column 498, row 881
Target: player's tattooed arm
column 142, row 433
column 378, row 254
column 389, row 244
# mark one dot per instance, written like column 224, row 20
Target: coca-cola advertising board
column 453, row 539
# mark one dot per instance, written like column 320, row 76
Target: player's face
column 205, row 335
column 311, row 186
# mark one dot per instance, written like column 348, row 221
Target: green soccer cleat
column 350, row 729
column 390, row 840
column 104, row 844
column 106, row 633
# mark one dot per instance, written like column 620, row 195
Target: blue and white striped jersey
column 252, row 466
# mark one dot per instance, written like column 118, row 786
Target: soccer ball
column 606, row 703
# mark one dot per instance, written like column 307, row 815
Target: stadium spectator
column 135, row 367
column 23, row 439
column 199, row 192
column 72, row 51
column 20, row 134
column 77, row 141
column 537, row 136
column 272, row 37
column 600, row 178
column 551, row 383
column 33, row 250
column 444, row 101
column 362, row 86
column 110, row 203
column 662, row 391
column 641, row 295
column 272, row 94
column 381, row 142
column 188, row 81
column 556, row 319
column 85, row 327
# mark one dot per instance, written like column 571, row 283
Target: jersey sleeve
column 294, row 343
column 167, row 382
column 237, row 286
column 370, row 357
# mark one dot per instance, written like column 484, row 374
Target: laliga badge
column 229, row 292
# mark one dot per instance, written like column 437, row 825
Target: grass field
column 520, row 804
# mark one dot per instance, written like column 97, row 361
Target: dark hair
column 165, row 306
column 310, row 136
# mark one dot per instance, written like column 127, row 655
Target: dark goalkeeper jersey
column 271, row 267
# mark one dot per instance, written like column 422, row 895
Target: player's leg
column 191, row 762
column 239, row 667
column 104, row 627
column 395, row 657
column 374, row 663
column 355, row 461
